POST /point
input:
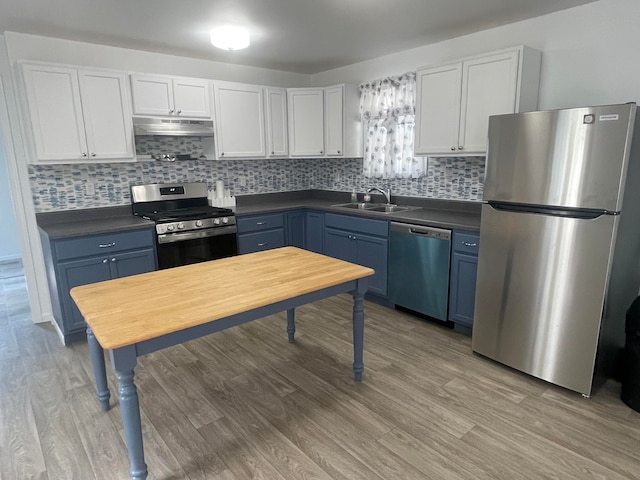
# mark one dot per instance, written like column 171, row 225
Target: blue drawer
column 256, row 242
column 466, row 242
column 357, row 224
column 105, row 244
column 260, row 222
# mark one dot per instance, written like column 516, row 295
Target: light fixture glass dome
column 230, row 38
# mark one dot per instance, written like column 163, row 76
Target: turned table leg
column 358, row 328
column 124, row 362
column 291, row 323
column 99, row 371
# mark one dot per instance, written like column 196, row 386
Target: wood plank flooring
column 246, row 404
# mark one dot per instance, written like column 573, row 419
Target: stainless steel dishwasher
column 419, row 260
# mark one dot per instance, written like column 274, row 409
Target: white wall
column 10, row 245
column 31, row 47
column 590, row 54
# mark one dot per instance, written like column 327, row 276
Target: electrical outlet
column 243, row 180
column 90, row 188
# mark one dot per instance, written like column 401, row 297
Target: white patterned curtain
column 387, row 107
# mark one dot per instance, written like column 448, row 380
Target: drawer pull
column 263, row 244
column 469, row 244
column 107, row 245
column 261, row 223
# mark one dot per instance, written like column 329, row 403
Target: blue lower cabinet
column 261, row 232
column 464, row 269
column 356, row 246
column 296, row 228
column 89, row 259
column 314, row 227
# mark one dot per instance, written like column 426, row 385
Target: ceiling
column 304, row 36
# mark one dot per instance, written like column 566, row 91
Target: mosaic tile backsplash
column 63, row 187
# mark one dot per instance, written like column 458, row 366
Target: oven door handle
column 192, row 235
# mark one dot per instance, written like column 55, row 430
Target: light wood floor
column 245, row 404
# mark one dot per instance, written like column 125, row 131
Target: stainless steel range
column 188, row 229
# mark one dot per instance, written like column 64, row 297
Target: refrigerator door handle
column 579, row 213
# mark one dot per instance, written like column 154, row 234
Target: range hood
column 172, row 127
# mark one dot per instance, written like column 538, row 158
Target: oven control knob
column 170, row 228
column 225, row 220
column 180, row 226
column 216, row 221
column 198, row 223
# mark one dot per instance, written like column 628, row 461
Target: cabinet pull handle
column 453, row 149
column 461, row 147
column 261, row 223
column 263, row 244
column 222, row 154
column 113, row 259
column 107, row 245
column 84, row 154
column 93, row 154
column 104, row 261
column 170, row 112
column 179, row 112
column 469, row 244
column 320, row 152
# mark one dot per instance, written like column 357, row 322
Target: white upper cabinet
column 454, row 101
column 438, row 109
column 170, row 96
column 334, row 120
column 324, row 122
column 276, row 108
column 306, row 122
column 240, row 126
column 78, row 115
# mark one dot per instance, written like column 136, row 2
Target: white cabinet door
column 191, row 97
column 306, row 122
column 334, row 121
column 55, row 110
column 437, row 109
column 239, row 111
column 488, row 88
column 107, row 116
column 277, row 144
column 454, row 102
column 152, row 95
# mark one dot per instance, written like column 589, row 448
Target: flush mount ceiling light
column 230, row 38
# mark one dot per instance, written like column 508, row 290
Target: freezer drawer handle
column 469, row 244
column 107, row 245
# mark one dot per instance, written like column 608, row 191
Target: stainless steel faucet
column 387, row 193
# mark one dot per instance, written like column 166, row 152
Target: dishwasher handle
column 410, row 229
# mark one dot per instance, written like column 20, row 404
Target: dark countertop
column 90, row 221
column 438, row 213
column 455, row 214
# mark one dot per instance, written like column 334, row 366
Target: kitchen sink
column 359, row 205
column 374, row 207
column 391, row 208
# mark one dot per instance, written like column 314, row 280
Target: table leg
column 99, row 371
column 291, row 323
column 124, row 361
column 358, row 328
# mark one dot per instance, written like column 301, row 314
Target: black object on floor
column 631, row 380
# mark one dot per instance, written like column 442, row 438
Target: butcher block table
column 136, row 315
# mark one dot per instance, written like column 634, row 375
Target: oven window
column 196, row 250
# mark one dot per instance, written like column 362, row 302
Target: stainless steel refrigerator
column 559, row 259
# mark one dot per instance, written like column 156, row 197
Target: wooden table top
column 132, row 309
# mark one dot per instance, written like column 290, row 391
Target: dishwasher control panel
column 431, row 232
